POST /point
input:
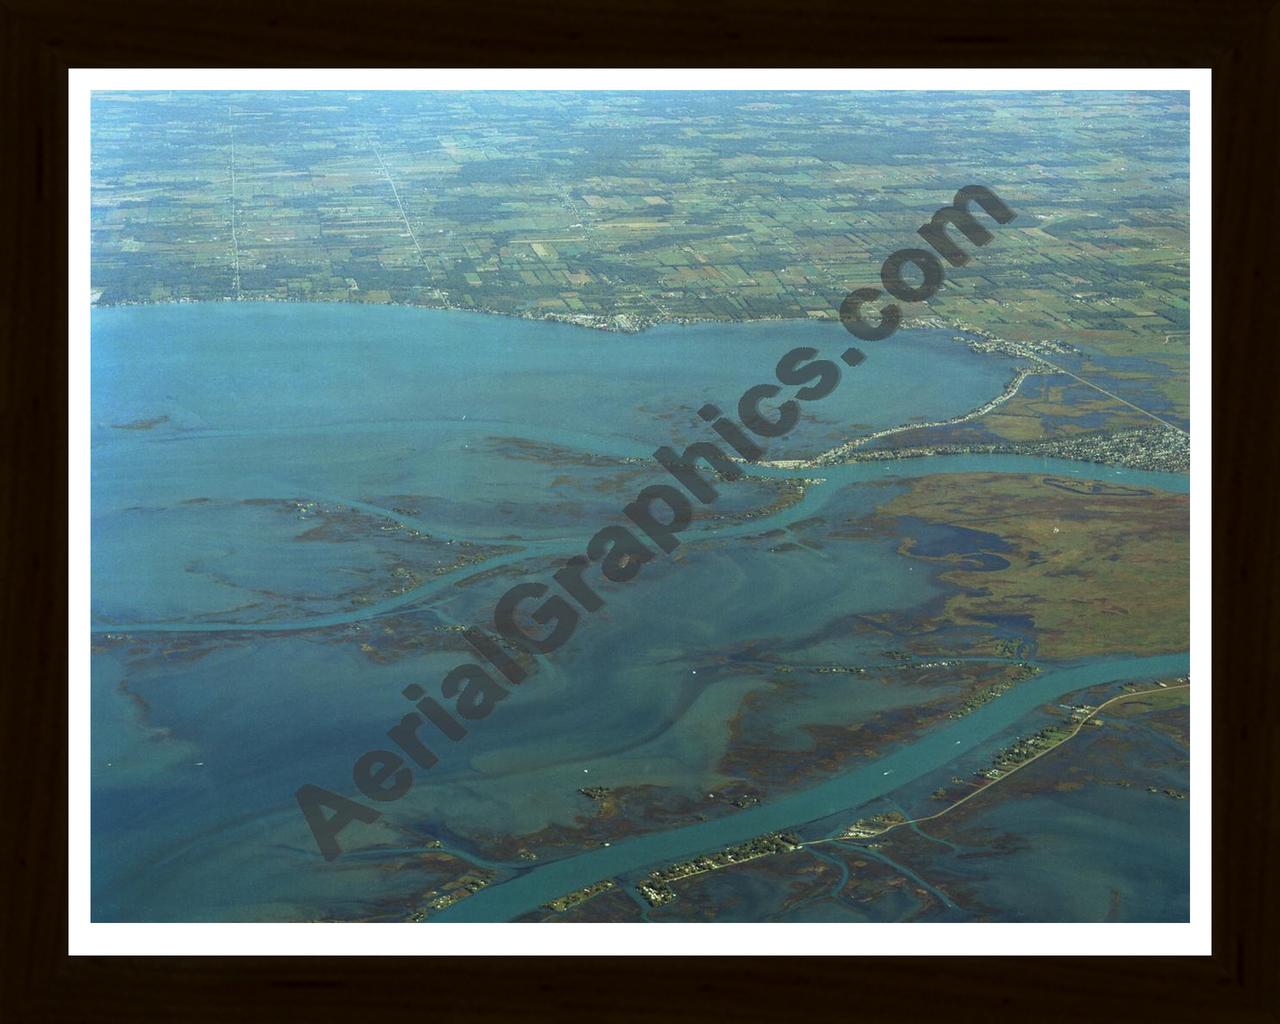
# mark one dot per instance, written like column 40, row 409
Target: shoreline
column 617, row 323
column 1135, row 449
column 843, row 453
column 1145, row 448
column 1164, row 449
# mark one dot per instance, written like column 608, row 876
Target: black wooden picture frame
column 1238, row 39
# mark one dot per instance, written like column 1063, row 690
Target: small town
column 656, row 888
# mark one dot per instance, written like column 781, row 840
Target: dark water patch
column 944, row 542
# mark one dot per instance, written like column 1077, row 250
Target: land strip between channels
column 982, row 789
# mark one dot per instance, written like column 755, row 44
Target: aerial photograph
column 640, row 506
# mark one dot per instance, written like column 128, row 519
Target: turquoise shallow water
column 280, row 401
column 241, row 368
column 834, row 477
column 231, row 696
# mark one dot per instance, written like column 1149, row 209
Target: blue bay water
column 198, row 409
